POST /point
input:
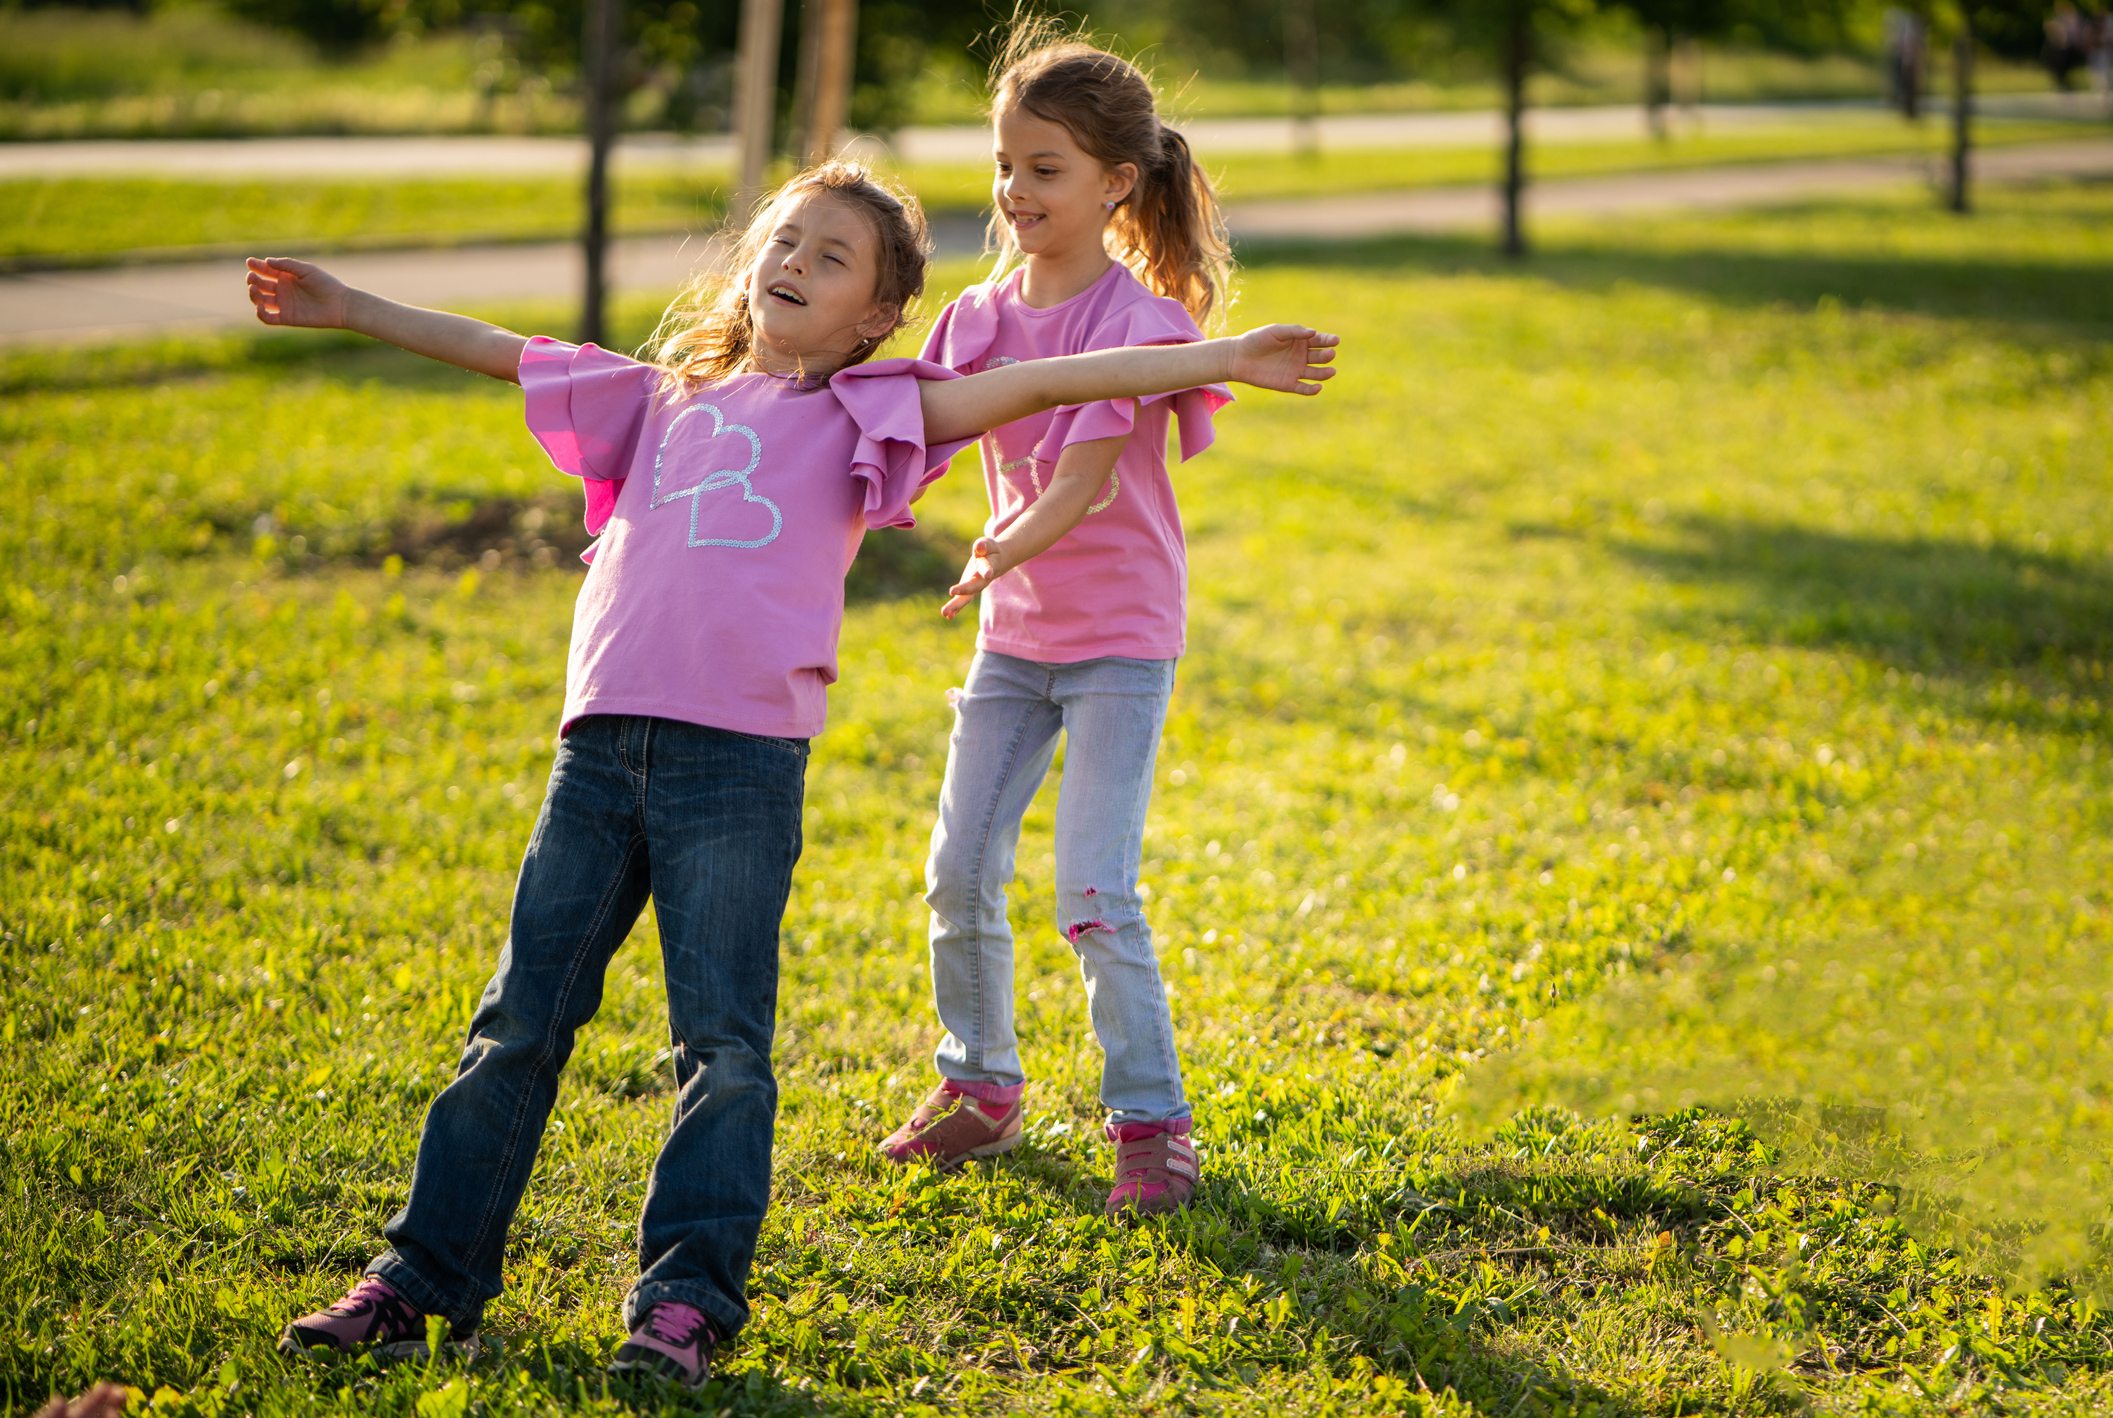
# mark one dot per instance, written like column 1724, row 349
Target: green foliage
column 1503, row 655
column 49, row 55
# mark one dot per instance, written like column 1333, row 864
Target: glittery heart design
column 1034, row 475
column 696, row 448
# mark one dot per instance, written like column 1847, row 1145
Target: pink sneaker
column 371, row 1314
column 949, row 1127
column 1155, row 1168
column 673, row 1341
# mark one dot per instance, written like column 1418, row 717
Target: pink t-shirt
column 1117, row 584
column 728, row 518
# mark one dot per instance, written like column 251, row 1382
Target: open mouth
column 787, row 294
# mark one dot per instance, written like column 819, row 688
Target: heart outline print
column 722, row 477
column 1034, row 475
column 1033, row 464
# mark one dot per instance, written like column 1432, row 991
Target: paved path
column 510, row 157
column 1441, row 209
column 137, row 301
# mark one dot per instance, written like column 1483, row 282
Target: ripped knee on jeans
column 1079, row 928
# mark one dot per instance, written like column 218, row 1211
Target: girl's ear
column 1118, row 182
column 880, row 324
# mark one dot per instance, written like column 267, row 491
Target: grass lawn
column 87, row 221
column 1613, row 611
column 1258, row 176
column 91, row 220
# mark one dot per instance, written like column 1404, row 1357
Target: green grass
column 1258, row 176
column 187, row 71
column 1605, row 68
column 87, row 221
column 1513, row 660
column 66, row 221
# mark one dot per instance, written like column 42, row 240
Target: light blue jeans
column 1005, row 731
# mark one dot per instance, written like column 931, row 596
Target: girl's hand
column 1288, row 358
column 290, row 292
column 986, row 563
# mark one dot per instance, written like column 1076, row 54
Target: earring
column 1109, row 205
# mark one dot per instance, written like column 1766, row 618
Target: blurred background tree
column 925, row 62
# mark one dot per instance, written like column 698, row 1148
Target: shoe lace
column 371, row 1290
column 674, row 1322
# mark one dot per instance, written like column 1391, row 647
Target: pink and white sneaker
column 953, row 1125
column 673, row 1341
column 1155, row 1168
column 373, row 1315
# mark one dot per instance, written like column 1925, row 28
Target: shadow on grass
column 573, row 1375
column 2074, row 295
column 1992, row 619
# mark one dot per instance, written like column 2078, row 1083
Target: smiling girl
column 731, row 482
column 1108, row 235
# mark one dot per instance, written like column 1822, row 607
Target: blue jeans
column 1005, row 730
column 707, row 823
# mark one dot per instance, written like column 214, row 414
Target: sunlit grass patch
column 81, row 221
column 1609, row 614
column 1263, row 176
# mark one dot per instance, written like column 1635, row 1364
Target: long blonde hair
column 707, row 334
column 1169, row 230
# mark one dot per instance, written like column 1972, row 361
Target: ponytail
column 1169, row 231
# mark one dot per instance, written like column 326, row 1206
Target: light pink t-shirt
column 728, row 518
column 1117, row 584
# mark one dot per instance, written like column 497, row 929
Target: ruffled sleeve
column 892, row 457
column 586, row 407
column 1154, row 320
column 964, row 331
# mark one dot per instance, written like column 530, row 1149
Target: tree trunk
column 604, row 34
column 1962, row 108
column 1657, row 79
column 1302, row 63
column 1518, row 36
column 828, row 46
column 755, row 104
column 1911, row 63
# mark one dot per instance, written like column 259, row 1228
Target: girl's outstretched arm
column 1081, row 473
column 290, row 292
column 1291, row 358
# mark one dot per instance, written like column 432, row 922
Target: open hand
column 102, row 1401
column 290, row 292
column 986, row 563
column 1288, row 358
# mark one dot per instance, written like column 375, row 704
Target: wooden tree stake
column 755, row 103
column 603, row 37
